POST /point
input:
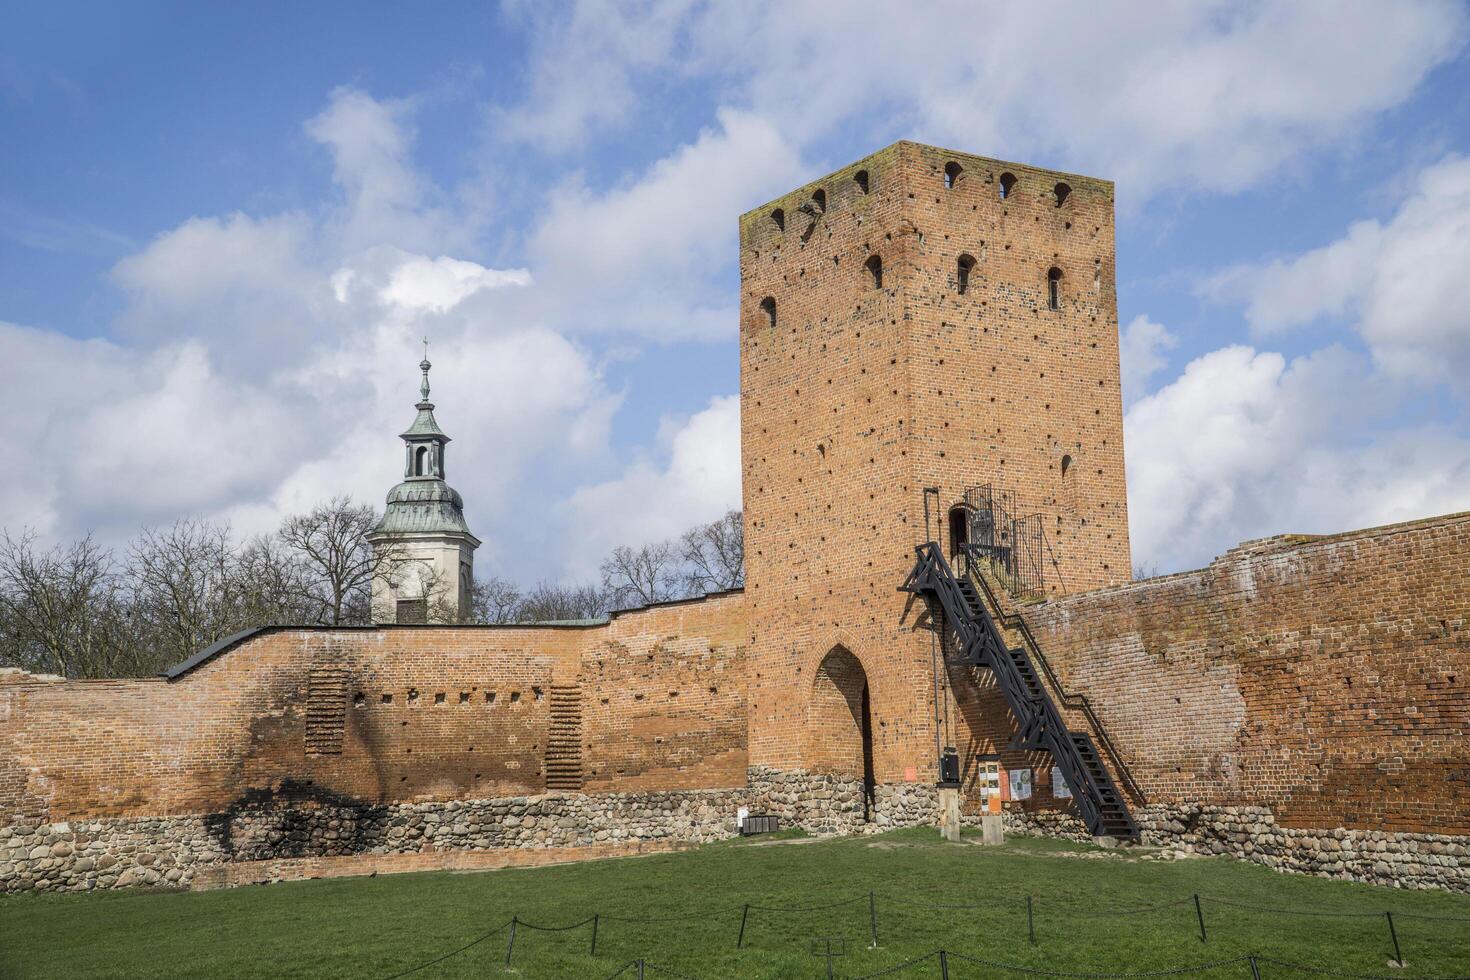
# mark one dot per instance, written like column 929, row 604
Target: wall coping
column 235, row 640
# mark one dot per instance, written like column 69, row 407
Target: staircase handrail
column 933, row 572
column 1079, row 702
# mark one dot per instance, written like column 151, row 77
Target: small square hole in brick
column 439, row 698
column 464, row 697
column 489, row 697
column 515, row 696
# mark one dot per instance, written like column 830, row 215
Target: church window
column 952, row 173
column 421, row 461
column 861, row 179
column 819, row 198
column 1054, row 288
column 1007, row 184
column 1062, row 192
column 778, row 216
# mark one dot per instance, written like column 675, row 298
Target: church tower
column 424, row 548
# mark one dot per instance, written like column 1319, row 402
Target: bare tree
column 714, row 555
column 548, row 602
column 62, row 610
column 642, row 576
column 185, row 585
column 273, row 590
column 338, row 564
column 493, row 600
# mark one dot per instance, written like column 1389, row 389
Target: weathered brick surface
column 1327, row 678
column 430, row 714
column 664, row 699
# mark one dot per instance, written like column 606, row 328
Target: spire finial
column 424, row 366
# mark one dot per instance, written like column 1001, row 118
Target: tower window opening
column 769, row 305
column 421, row 461
column 952, row 173
column 819, row 198
column 778, row 217
column 962, row 272
column 1007, row 184
column 1062, row 192
column 1054, row 289
column 1066, row 466
column 861, row 179
column 874, row 265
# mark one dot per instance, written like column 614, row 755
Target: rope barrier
column 1112, row 912
column 1433, row 918
column 902, row 966
column 1322, row 971
column 575, row 925
column 643, row 966
column 1195, row 968
column 441, row 959
column 957, row 906
column 809, row 908
column 1274, row 911
column 684, row 917
column 871, row 898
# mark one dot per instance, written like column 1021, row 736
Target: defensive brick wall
column 1326, row 678
column 386, row 715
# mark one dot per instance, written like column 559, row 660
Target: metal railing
column 1076, row 702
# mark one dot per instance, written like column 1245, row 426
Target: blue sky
column 223, row 228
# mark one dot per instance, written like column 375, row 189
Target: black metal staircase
column 980, row 643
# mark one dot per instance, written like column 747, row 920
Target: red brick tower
column 920, row 318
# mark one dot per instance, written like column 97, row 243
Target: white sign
column 1059, row 787
column 1020, row 784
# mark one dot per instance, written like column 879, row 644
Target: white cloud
column 1402, row 281
column 387, row 201
column 1157, row 96
column 646, row 257
column 1141, row 347
column 581, row 69
column 113, row 437
column 1246, row 444
column 649, row 502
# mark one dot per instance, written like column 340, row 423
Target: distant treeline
column 82, row 610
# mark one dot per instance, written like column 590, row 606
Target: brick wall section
column 663, row 696
column 1326, row 678
column 429, row 714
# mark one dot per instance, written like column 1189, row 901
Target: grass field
column 377, row 927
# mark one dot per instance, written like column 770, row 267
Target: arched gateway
column 839, row 735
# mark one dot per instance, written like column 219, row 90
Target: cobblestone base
column 174, row 851
column 1400, row 860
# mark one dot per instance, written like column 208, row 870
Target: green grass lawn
column 376, row 927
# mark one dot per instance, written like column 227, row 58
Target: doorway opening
column 839, row 737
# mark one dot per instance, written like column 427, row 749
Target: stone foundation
column 834, row 805
column 271, row 841
column 1250, row 833
column 283, row 834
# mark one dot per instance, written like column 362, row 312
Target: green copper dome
column 423, row 503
